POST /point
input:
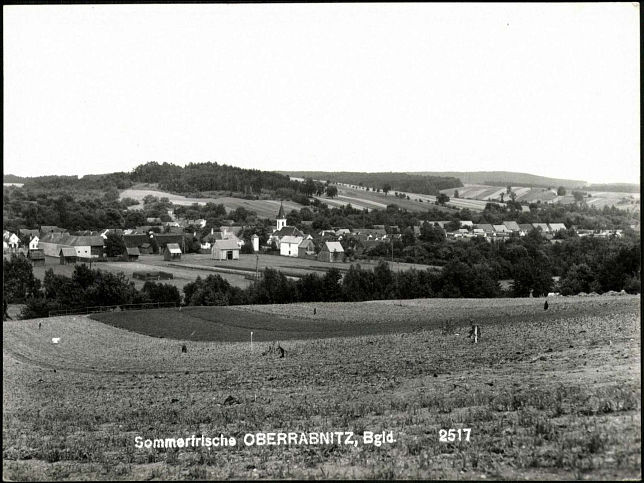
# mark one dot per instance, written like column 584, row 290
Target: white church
column 287, row 238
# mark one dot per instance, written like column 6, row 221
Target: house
column 306, row 249
column 52, row 242
column 371, row 233
column 331, row 252
column 163, row 239
column 231, row 230
column 225, row 250
column 486, row 227
column 12, row 240
column 441, row 223
column 513, row 226
column 145, row 249
column 289, row 245
column 201, row 223
column 525, row 228
column 153, row 220
column 555, row 227
column 37, row 257
column 67, row 255
column 208, row 241
column 467, row 224
column 84, row 246
column 543, row 226
column 132, row 253
column 172, row 252
column 45, row 229
column 33, row 242
column 28, row 234
column 114, row 231
column 87, row 246
column 277, row 235
column 501, row 229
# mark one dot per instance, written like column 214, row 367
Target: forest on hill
column 192, row 178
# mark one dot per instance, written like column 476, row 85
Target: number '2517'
column 450, row 435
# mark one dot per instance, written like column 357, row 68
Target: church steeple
column 281, row 217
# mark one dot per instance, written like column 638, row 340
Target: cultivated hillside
column 503, row 178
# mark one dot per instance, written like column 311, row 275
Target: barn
column 172, row 252
column 67, row 255
column 306, row 249
column 37, row 257
column 133, row 253
column 225, row 250
column 331, row 252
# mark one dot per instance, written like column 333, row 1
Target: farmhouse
column 555, row 227
column 306, row 249
column 172, row 252
column 11, row 239
column 84, row 246
column 45, row 229
column 67, row 255
column 164, row 239
column 225, row 250
column 289, row 245
column 543, row 226
column 486, row 227
column 37, row 257
column 132, row 253
column 512, row 226
column 501, row 229
column 331, row 252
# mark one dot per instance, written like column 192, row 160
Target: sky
column 547, row 89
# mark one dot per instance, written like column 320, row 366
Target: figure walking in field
column 545, row 305
column 475, row 334
column 39, row 325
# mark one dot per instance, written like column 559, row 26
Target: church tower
column 281, row 218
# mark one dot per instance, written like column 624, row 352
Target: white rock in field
column 55, row 340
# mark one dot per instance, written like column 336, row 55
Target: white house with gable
column 289, row 244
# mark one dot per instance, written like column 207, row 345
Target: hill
column 416, row 183
column 504, row 178
column 12, row 178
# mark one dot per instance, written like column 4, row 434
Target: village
column 53, row 244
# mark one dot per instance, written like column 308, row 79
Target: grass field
column 263, row 208
column 182, row 276
column 547, row 395
column 196, row 265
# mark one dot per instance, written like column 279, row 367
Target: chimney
column 212, row 231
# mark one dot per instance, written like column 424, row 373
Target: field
column 263, row 208
column 547, row 395
column 361, row 198
column 193, row 265
column 181, row 275
column 598, row 199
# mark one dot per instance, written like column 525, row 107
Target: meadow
column 263, row 208
column 547, row 394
